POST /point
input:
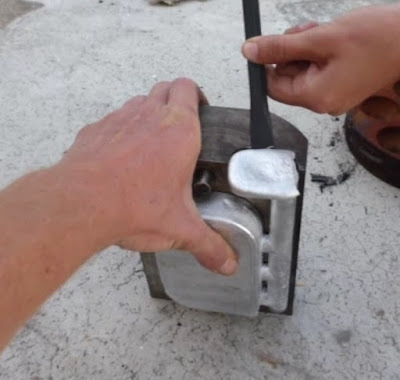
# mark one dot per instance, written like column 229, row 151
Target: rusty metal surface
column 373, row 134
column 224, row 132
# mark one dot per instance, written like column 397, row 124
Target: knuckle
column 140, row 98
column 174, row 110
column 192, row 109
column 351, row 36
column 173, row 116
column 84, row 132
column 135, row 100
column 162, row 84
column 177, row 114
column 337, row 38
column 110, row 118
column 185, row 82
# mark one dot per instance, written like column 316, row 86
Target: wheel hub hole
column 381, row 108
column 389, row 139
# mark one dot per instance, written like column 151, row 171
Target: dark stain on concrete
column 12, row 9
column 267, row 358
column 343, row 336
column 380, row 313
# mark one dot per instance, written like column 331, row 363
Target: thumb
column 282, row 48
column 210, row 248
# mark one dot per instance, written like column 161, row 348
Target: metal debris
column 328, row 181
column 335, row 139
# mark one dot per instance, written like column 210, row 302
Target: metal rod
column 260, row 124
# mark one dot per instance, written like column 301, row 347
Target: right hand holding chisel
column 332, row 67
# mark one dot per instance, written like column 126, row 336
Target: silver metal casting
column 188, row 283
column 271, row 174
column 265, row 174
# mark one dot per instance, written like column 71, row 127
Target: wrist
column 91, row 195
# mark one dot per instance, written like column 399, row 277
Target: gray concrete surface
column 69, row 63
column 12, row 9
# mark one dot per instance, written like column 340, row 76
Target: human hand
column 143, row 157
column 331, row 68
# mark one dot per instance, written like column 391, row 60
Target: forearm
column 127, row 179
column 50, row 223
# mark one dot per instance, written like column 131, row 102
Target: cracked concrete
column 69, row 63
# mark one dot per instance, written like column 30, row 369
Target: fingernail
column 229, row 267
column 250, row 51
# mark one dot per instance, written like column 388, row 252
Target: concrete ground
column 69, row 63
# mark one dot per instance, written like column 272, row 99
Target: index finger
column 309, row 45
column 186, row 93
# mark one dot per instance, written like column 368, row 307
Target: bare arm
column 49, row 226
column 332, row 67
column 127, row 181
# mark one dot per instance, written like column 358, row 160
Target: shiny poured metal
column 188, row 283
